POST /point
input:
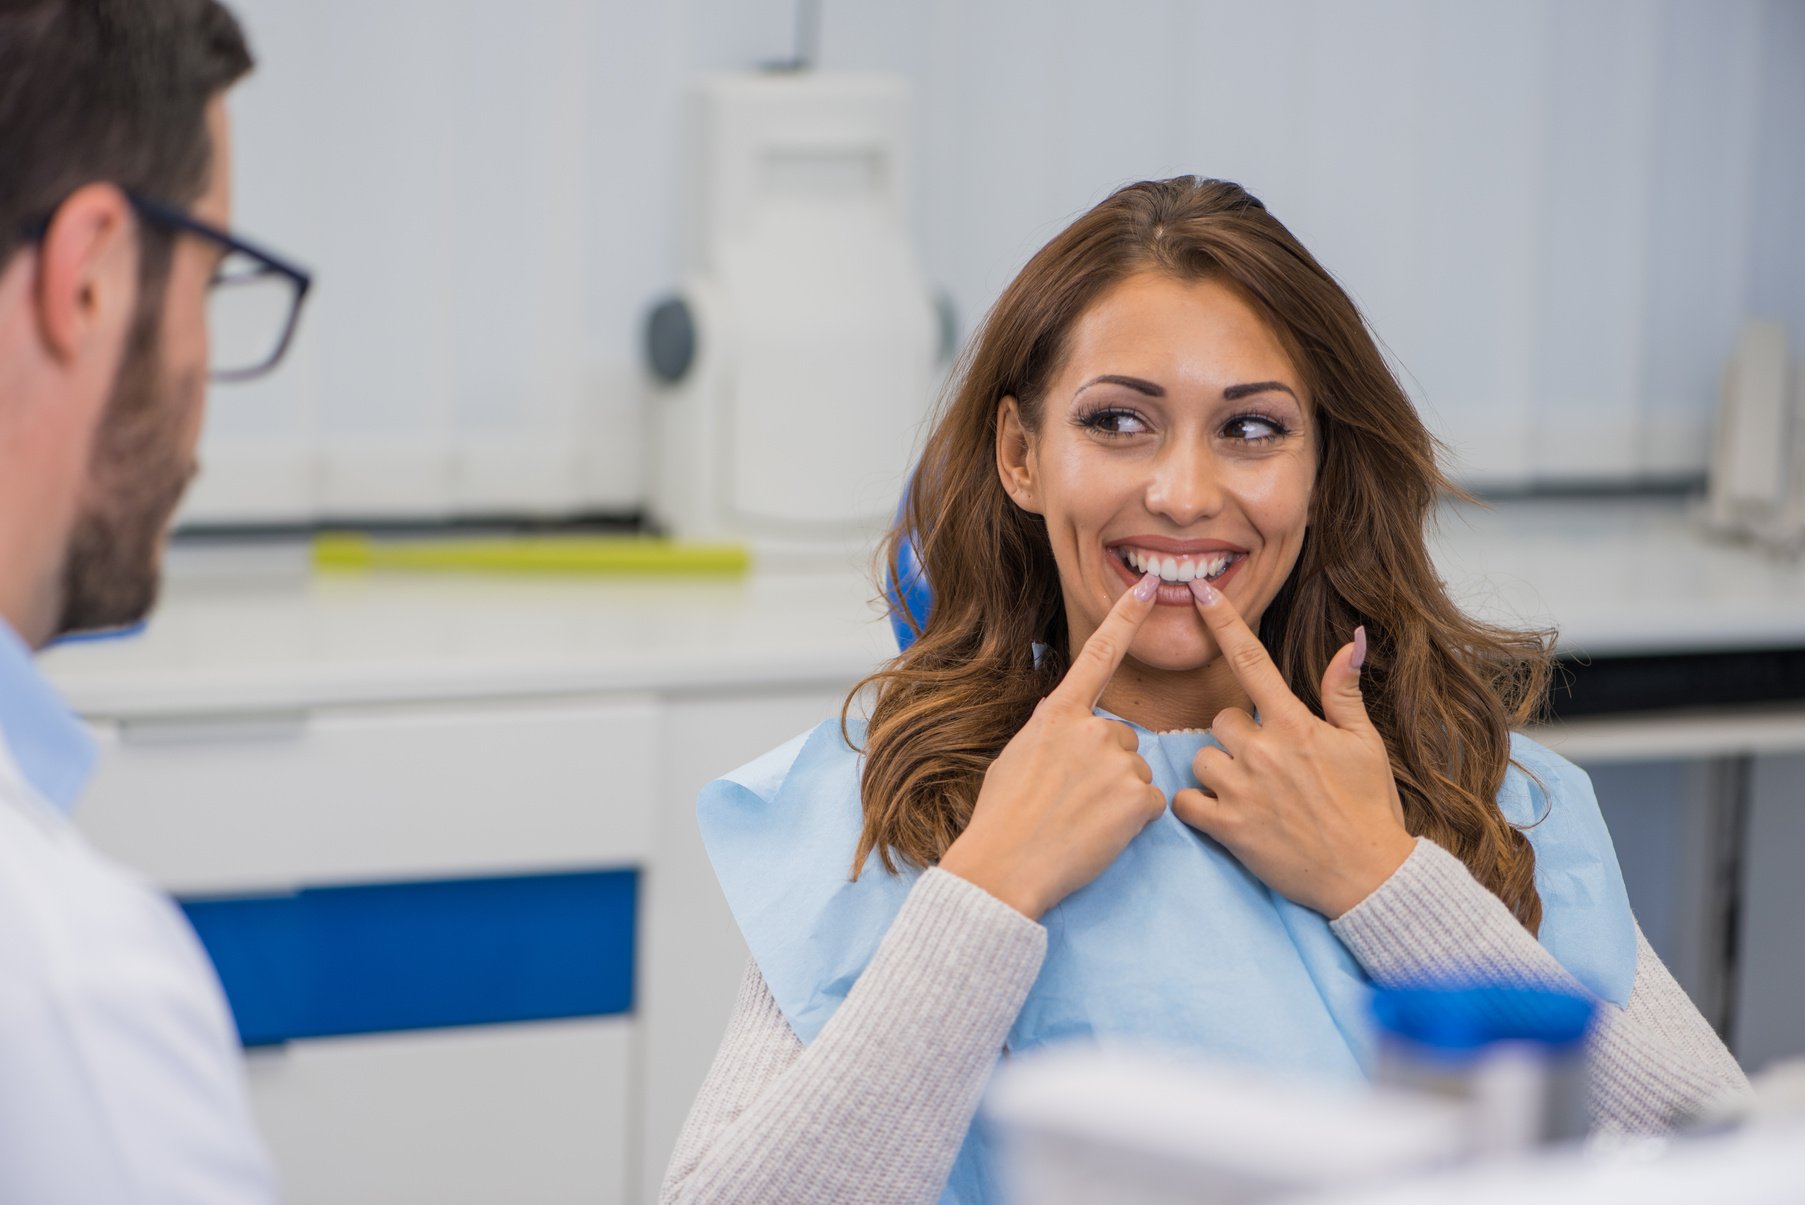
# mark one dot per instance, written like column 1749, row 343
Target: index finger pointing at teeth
column 1246, row 656
column 1096, row 662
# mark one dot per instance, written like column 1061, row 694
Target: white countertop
column 393, row 637
column 1616, row 577
column 1620, row 576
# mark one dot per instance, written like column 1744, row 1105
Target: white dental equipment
column 1757, row 480
column 799, row 357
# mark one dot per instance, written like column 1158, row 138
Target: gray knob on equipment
column 670, row 339
column 946, row 315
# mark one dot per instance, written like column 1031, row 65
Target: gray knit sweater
column 877, row 1107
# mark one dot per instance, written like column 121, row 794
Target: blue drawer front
column 396, row 956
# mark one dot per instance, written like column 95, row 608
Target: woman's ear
column 1015, row 456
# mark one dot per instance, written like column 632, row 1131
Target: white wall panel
column 1000, row 114
column 632, row 205
column 1241, row 109
column 386, row 151
column 1477, row 282
column 1129, row 94
column 259, row 454
column 1359, row 72
column 520, row 233
column 1597, row 139
column 1777, row 212
column 1699, row 241
column 1556, row 216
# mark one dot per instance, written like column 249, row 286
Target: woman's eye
column 1253, row 429
column 1113, row 422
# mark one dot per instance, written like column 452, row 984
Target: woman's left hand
column 1309, row 805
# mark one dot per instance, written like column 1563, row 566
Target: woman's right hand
column 1070, row 790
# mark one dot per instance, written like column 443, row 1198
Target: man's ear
column 87, row 286
column 1015, row 457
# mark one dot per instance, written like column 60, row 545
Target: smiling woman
column 1192, row 750
column 1175, row 373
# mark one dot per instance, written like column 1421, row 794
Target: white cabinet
column 276, row 799
column 270, row 798
column 537, row 1113
column 691, row 954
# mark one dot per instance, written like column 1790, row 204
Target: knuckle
column 1100, row 650
column 1248, row 657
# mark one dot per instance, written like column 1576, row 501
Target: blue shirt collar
column 50, row 746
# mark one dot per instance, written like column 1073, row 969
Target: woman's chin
column 1173, row 647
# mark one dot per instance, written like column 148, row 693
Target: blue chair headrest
column 908, row 590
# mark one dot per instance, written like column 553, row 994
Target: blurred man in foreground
column 120, row 1073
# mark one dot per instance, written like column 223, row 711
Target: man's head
column 103, row 339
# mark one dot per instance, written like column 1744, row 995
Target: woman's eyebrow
column 1235, row 393
column 1134, row 383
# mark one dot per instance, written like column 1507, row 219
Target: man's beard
column 136, row 477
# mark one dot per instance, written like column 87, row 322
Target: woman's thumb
column 1342, row 703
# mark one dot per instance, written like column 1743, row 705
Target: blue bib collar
column 1176, row 944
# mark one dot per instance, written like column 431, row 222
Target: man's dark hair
column 112, row 90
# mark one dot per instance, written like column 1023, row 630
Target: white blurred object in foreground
column 1082, row 1125
column 1761, row 1165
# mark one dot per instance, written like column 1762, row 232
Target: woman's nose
column 1186, row 486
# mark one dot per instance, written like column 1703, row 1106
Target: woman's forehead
column 1181, row 334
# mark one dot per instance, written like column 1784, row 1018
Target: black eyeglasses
column 253, row 301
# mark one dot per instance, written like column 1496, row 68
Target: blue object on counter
column 1461, row 1018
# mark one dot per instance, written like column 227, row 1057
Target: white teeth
column 1177, row 569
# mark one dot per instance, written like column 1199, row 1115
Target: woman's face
column 1177, row 436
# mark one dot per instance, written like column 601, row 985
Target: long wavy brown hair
column 1443, row 688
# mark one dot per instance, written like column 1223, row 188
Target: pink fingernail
column 1147, row 587
column 1203, row 592
column 1359, row 648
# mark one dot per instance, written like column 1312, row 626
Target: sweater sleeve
column 1653, row 1063
column 877, row 1107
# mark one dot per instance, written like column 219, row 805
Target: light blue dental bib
column 1176, row 944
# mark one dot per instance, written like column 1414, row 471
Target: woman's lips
column 1175, row 594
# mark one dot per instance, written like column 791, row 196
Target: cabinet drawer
column 216, row 805
column 506, row 1113
column 333, row 961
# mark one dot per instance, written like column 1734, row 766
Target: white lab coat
column 121, row 1078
